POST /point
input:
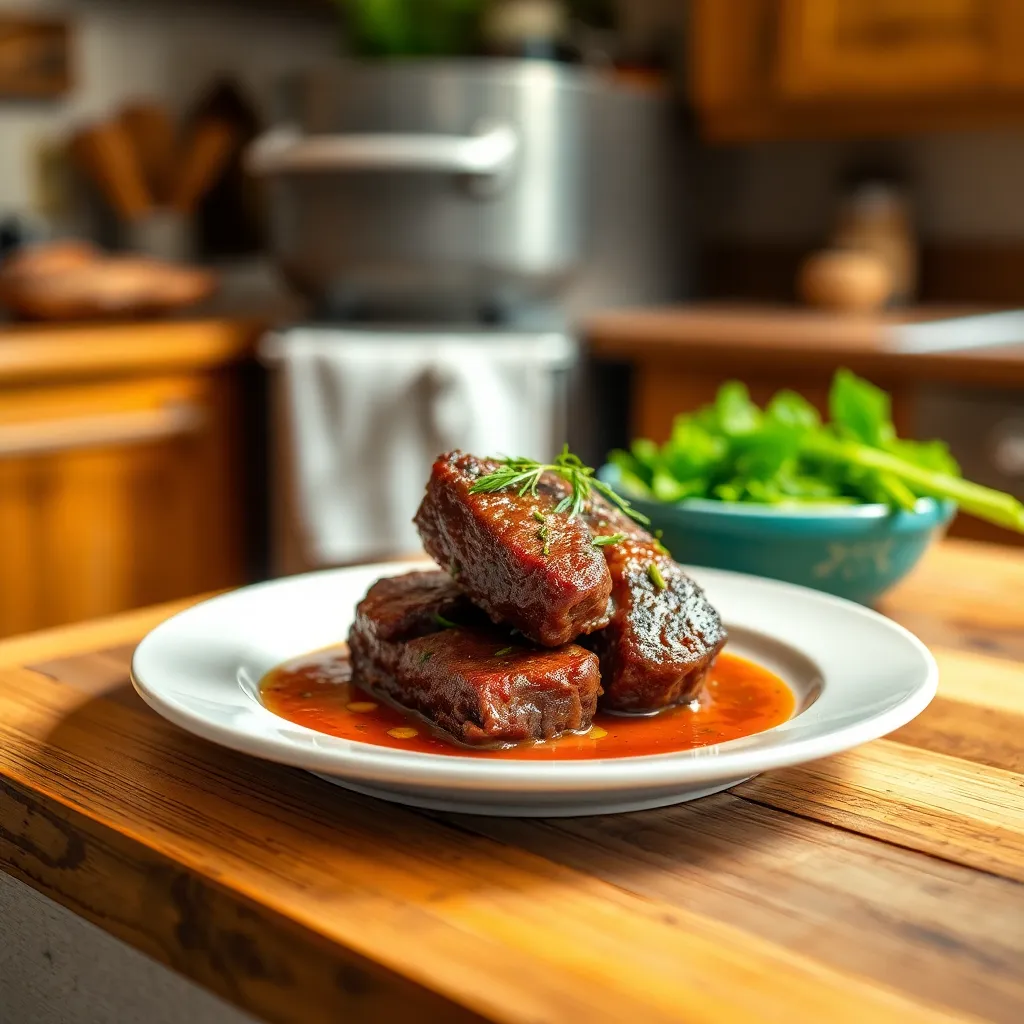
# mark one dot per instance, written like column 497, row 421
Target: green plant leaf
column 791, row 410
column 736, row 413
column 692, row 450
column 859, row 410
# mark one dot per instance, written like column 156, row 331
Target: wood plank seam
column 852, row 830
column 822, row 791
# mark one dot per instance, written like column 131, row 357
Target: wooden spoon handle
column 207, row 153
column 105, row 153
column 153, row 137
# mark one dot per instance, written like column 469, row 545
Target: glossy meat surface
column 662, row 640
column 521, row 563
column 474, row 682
column 401, row 608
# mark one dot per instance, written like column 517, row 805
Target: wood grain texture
column 964, row 812
column 938, row 930
column 965, row 596
column 983, row 734
column 93, row 527
column 87, row 637
column 885, row 883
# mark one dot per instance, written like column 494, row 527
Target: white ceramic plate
column 856, row 676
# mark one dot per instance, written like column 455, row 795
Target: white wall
column 169, row 51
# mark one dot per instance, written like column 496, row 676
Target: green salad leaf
column 784, row 455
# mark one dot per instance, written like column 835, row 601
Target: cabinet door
column 873, row 48
column 113, row 496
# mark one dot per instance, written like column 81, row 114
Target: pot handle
column 487, row 153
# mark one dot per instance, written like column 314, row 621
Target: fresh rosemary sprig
column 611, row 538
column 523, row 476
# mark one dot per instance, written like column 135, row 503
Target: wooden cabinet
column 117, row 489
column 778, row 68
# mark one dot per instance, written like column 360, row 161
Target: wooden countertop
column 884, row 884
column 31, row 352
column 710, row 335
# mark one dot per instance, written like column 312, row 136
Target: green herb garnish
column 543, row 534
column 445, row 623
column 523, row 476
column 611, row 538
column 654, row 575
column 784, row 455
column 426, row 656
column 504, row 651
column 538, row 515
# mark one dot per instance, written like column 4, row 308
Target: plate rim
column 370, row 762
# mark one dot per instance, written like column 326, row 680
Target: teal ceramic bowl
column 855, row 551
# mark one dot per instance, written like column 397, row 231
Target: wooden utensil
column 154, row 138
column 206, row 154
column 104, row 152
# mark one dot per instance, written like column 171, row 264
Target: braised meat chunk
column 400, row 608
column 474, row 682
column 664, row 634
column 521, row 562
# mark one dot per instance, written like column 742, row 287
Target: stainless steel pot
column 463, row 181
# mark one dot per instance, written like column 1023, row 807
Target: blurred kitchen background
column 261, row 261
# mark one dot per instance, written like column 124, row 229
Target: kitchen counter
column 30, row 352
column 881, row 884
column 777, row 338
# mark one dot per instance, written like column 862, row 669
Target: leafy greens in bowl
column 846, row 507
column 784, row 456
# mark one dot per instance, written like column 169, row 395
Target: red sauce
column 740, row 698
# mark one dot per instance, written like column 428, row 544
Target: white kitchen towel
column 367, row 413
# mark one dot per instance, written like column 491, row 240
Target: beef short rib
column 519, row 561
column 664, row 634
column 472, row 681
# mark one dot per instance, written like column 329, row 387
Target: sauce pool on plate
column 740, row 698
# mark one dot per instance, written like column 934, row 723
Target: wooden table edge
column 91, row 635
